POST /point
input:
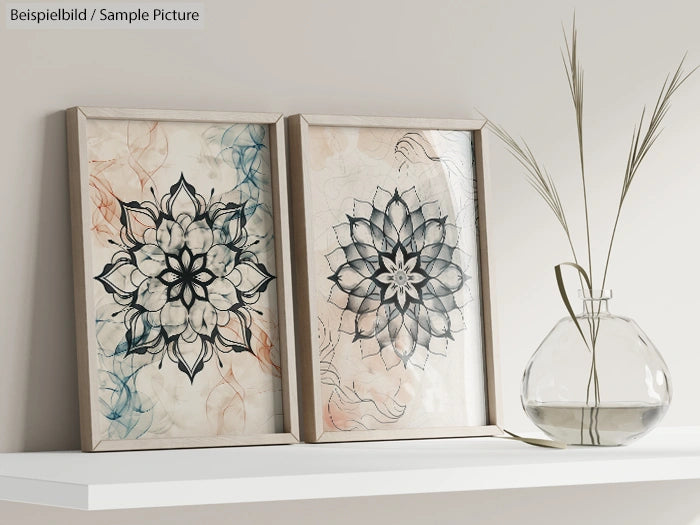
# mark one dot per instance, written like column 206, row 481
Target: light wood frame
column 305, row 293
column 76, row 119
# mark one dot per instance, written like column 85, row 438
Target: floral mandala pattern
column 395, row 277
column 186, row 278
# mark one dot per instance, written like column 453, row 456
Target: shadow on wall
column 51, row 419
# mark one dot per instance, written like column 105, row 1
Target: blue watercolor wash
column 129, row 411
column 244, row 147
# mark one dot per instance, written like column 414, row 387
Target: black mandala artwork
column 186, row 277
column 395, row 277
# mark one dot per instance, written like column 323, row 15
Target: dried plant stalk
column 544, row 185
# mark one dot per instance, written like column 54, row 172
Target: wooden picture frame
column 142, row 152
column 313, row 140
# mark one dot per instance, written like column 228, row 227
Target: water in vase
column 607, row 424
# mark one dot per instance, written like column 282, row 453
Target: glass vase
column 598, row 382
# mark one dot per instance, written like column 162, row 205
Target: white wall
column 406, row 58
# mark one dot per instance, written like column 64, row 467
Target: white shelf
column 120, row 480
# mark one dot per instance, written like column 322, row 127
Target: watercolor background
column 364, row 389
column 139, row 397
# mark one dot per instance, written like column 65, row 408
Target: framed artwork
column 392, row 299
column 182, row 279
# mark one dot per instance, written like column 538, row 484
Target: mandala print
column 186, row 278
column 395, row 277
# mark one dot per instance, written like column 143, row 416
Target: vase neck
column 595, row 302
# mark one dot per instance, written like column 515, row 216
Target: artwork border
column 76, row 121
column 305, row 272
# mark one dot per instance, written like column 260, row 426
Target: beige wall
column 408, row 58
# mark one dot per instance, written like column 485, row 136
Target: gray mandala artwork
column 186, row 277
column 396, row 276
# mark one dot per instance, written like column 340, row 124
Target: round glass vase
column 606, row 387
